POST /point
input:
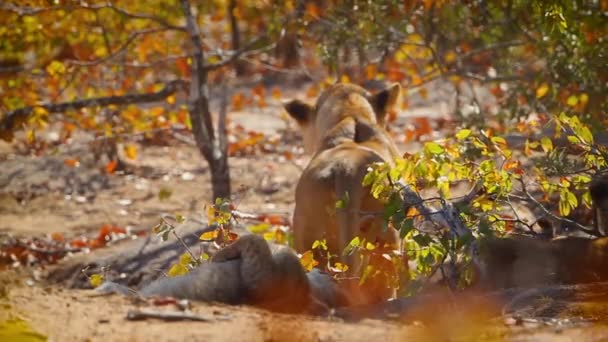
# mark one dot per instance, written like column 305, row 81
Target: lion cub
column 345, row 133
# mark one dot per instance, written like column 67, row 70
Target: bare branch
column 113, row 54
column 138, row 315
column 244, row 52
column 553, row 216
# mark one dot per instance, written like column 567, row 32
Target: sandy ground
column 76, row 315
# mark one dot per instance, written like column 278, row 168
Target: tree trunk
column 220, row 177
column 213, row 146
column 239, row 65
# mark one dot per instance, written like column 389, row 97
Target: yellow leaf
column 131, row 151
column 542, row 90
column 170, row 99
column 259, row 228
column 572, row 101
column 100, row 51
column 339, row 267
column 96, row 279
column 450, row 56
column 308, row 261
column 157, row 111
column 185, row 259
column 177, row 270
column 583, row 99
column 208, row 236
column 55, row 68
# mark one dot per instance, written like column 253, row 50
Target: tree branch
column 13, row 119
column 32, row 11
column 553, row 216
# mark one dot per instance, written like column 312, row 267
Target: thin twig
column 138, row 315
column 559, row 218
column 179, row 238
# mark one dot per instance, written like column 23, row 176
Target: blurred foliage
column 535, row 55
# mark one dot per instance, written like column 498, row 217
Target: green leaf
column 422, row 240
column 352, row 246
column 406, row 226
column 546, row 144
column 499, row 140
column 574, row 139
column 343, row 202
column 463, row 134
column 433, row 148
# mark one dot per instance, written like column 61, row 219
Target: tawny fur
column 345, row 132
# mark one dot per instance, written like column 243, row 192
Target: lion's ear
column 299, row 110
column 384, row 100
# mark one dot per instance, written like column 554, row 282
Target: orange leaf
column 313, row 10
column 182, row 66
column 276, row 93
column 111, row 166
column 259, row 90
column 79, row 243
column 395, row 75
column 57, row 237
column 238, row 100
column 512, row 164
column 412, row 212
column 424, row 93
column 71, row 162
column 312, row 92
column 370, row 71
column 423, row 126
column 276, row 220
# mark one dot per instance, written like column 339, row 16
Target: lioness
column 345, row 132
